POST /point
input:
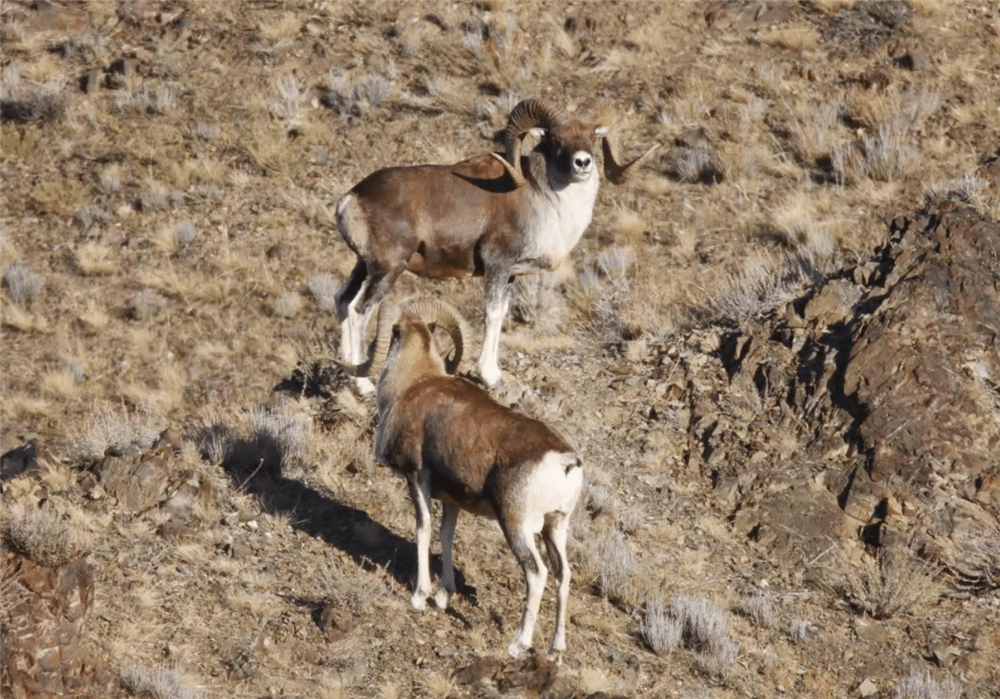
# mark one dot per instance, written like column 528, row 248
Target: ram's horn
column 527, row 115
column 449, row 319
column 613, row 170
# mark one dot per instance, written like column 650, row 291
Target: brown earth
column 777, row 348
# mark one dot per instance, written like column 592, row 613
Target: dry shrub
column 22, row 284
column 161, row 683
column 758, row 607
column 763, row 282
column 697, row 624
column 660, row 629
column 891, row 583
column 94, row 259
column 536, row 297
column 265, row 437
column 324, row 289
column 118, row 429
column 799, row 630
column 43, row 535
column 617, row 569
column 702, row 623
column 920, row 685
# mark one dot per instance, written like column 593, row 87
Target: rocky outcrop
column 45, row 609
column 870, row 411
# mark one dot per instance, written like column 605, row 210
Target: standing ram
column 454, row 443
column 489, row 216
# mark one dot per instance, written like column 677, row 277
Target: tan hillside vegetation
column 777, row 349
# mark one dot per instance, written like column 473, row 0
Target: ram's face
column 410, row 335
column 569, row 150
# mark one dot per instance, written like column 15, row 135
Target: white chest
column 557, row 222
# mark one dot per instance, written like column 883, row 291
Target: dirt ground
column 776, row 348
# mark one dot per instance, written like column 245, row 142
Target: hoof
column 441, row 599
column 418, row 603
column 516, row 649
column 491, row 377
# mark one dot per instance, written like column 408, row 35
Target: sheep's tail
column 570, row 461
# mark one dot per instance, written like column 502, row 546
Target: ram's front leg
column 497, row 301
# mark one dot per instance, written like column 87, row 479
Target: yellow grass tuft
column 629, row 227
column 94, row 259
column 438, row 685
column 281, row 29
column 795, row 37
column 20, row 319
column 61, row 384
column 94, row 318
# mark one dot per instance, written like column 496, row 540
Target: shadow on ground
column 254, row 465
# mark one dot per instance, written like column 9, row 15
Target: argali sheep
column 490, row 216
column 454, row 443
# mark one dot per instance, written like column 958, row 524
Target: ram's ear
column 600, row 130
column 537, row 132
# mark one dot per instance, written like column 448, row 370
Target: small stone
column 240, row 551
column 334, row 619
column 174, row 530
column 944, row 655
column 125, row 68
column 484, row 667
column 171, row 437
column 446, row 651
column 867, row 688
column 870, row 631
column 914, row 58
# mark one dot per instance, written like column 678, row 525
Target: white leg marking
column 556, row 533
column 489, row 367
column 352, row 338
column 446, row 586
column 535, row 573
column 420, row 493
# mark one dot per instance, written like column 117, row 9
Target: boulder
column 44, row 613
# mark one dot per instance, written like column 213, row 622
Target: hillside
column 777, row 349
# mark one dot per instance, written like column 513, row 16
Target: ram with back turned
column 454, row 443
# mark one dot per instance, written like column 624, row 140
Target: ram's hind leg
column 522, row 543
column 497, row 301
column 446, row 586
column 374, row 287
column 420, row 494
column 555, row 534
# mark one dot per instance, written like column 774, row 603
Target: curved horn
column 387, row 314
column 527, row 115
column 613, row 170
column 435, row 311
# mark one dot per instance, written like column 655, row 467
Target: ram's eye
column 395, row 331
